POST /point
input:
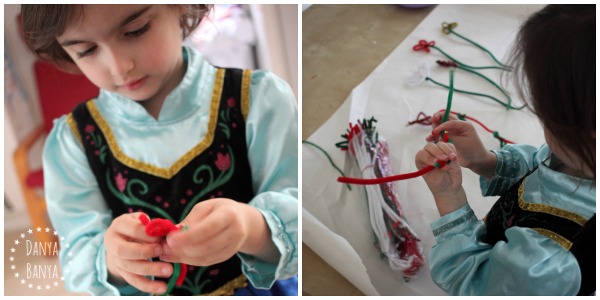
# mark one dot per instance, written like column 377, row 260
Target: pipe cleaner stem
column 362, row 181
column 462, row 64
column 173, row 279
column 450, row 93
column 507, row 68
column 474, row 94
column 492, row 82
column 495, row 133
column 328, row 157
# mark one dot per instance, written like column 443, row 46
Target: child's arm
column 527, row 264
column 463, row 264
column 513, row 163
column 79, row 214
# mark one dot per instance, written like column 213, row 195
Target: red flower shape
column 223, row 162
column 423, row 45
column 158, row 226
column 231, row 102
column 89, row 128
column 121, row 182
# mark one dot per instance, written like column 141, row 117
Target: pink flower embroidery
column 89, row 128
column 231, row 102
column 121, row 182
column 214, row 272
column 223, row 162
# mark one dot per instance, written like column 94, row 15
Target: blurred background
column 243, row 36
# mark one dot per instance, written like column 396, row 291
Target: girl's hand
column 216, row 230
column 471, row 152
column 128, row 250
column 445, row 183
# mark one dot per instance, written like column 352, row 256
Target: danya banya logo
column 30, row 261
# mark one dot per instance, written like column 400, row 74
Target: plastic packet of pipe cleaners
column 394, row 237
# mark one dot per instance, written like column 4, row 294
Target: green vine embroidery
column 195, row 288
column 130, row 198
column 97, row 142
column 224, row 163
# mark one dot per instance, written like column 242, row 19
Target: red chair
column 59, row 92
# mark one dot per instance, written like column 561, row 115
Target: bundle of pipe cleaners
column 395, row 239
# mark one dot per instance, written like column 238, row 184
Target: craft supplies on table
column 335, row 220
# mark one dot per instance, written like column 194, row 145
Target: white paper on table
column 335, row 220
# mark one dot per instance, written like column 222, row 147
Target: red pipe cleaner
column 161, row 227
column 438, row 164
column 495, row 133
column 423, row 45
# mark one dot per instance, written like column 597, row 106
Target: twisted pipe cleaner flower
column 425, row 46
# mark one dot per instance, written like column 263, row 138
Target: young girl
column 169, row 136
column 539, row 238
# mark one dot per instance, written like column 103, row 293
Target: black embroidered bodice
column 213, row 169
column 571, row 231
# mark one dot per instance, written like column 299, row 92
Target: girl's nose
column 120, row 64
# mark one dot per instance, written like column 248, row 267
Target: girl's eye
column 139, row 32
column 87, row 52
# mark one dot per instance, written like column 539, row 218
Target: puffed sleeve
column 514, row 162
column 272, row 139
column 78, row 213
column 527, row 264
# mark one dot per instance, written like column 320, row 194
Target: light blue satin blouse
column 528, row 263
column 80, row 215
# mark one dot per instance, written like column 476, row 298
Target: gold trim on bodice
column 71, row 122
column 538, row 207
column 229, row 288
column 169, row 172
column 246, row 80
column 561, row 240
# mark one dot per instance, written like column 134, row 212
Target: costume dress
column 532, row 238
column 221, row 133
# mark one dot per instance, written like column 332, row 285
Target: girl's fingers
column 439, row 151
column 129, row 225
column 147, row 268
column 131, row 250
column 144, row 284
